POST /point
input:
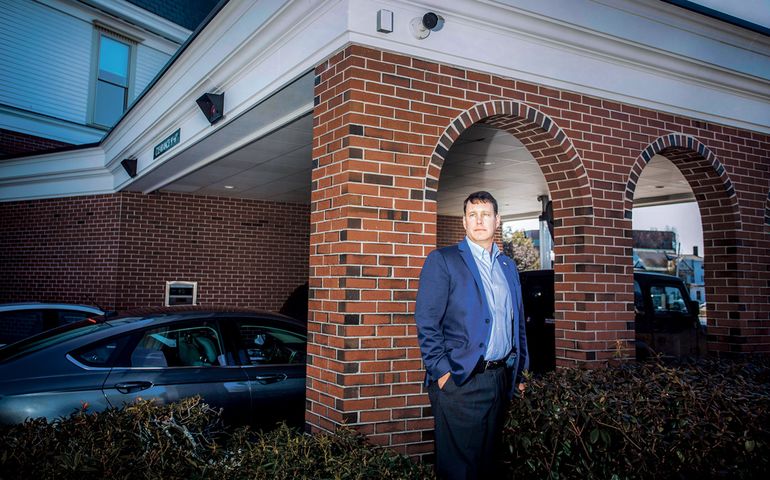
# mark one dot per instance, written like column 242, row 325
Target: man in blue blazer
column 471, row 330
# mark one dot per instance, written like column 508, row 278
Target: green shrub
column 635, row 421
column 185, row 440
column 283, row 454
column 143, row 440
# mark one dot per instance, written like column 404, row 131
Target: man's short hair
column 480, row 197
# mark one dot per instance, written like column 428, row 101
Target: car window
column 638, row 298
column 100, row 354
column 18, row 324
column 175, row 346
column 69, row 316
column 667, row 299
column 51, row 337
column 261, row 344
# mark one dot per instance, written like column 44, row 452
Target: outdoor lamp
column 212, row 105
column 129, row 165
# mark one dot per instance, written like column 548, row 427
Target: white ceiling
column 277, row 167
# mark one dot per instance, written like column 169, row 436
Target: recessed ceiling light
column 486, row 163
column 229, row 187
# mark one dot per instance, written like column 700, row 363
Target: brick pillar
column 370, row 231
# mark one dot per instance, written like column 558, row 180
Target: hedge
column 186, row 440
column 629, row 421
column 644, row 421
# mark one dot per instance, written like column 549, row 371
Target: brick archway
column 704, row 172
column 570, row 190
column 720, row 217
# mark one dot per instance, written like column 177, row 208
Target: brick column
column 370, row 231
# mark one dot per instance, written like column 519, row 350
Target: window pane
column 262, row 345
column 19, row 324
column 100, row 354
column 178, row 347
column 69, row 316
column 638, row 298
column 667, row 299
column 113, row 61
column 110, row 103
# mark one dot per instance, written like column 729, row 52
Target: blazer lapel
column 470, row 262
column 507, row 264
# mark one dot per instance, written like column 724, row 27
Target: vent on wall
column 181, row 293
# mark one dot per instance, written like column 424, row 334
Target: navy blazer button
column 481, row 345
column 486, row 321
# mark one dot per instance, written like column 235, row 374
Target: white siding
column 45, row 60
column 45, row 66
column 149, row 62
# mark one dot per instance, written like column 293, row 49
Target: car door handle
column 271, row 378
column 130, row 387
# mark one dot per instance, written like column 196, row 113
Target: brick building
column 347, row 139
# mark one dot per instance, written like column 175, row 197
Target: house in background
column 87, row 61
column 690, row 269
column 655, row 251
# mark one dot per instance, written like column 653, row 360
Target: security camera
column 421, row 27
column 432, row 21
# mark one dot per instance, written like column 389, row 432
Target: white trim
column 573, row 58
column 181, row 283
column 71, row 173
column 48, row 127
column 83, row 10
column 142, row 18
column 249, row 52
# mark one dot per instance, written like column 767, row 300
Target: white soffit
column 226, row 146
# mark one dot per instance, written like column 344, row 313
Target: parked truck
column 666, row 320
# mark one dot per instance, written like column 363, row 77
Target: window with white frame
column 112, row 81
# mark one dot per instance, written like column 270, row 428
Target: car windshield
column 50, row 337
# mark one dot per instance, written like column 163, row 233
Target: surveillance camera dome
column 430, row 20
column 422, row 26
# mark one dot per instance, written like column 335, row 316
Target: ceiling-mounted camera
column 431, row 21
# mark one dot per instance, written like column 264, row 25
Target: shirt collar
column 480, row 252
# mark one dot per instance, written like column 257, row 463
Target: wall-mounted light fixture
column 129, row 165
column 212, row 105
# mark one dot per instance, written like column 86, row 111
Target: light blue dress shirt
column 499, row 299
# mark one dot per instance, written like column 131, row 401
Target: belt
column 485, row 365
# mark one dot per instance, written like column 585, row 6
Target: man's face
column 481, row 223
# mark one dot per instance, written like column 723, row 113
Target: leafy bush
column 635, row 421
column 185, row 440
column 142, row 440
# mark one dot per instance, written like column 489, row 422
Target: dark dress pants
column 469, row 421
